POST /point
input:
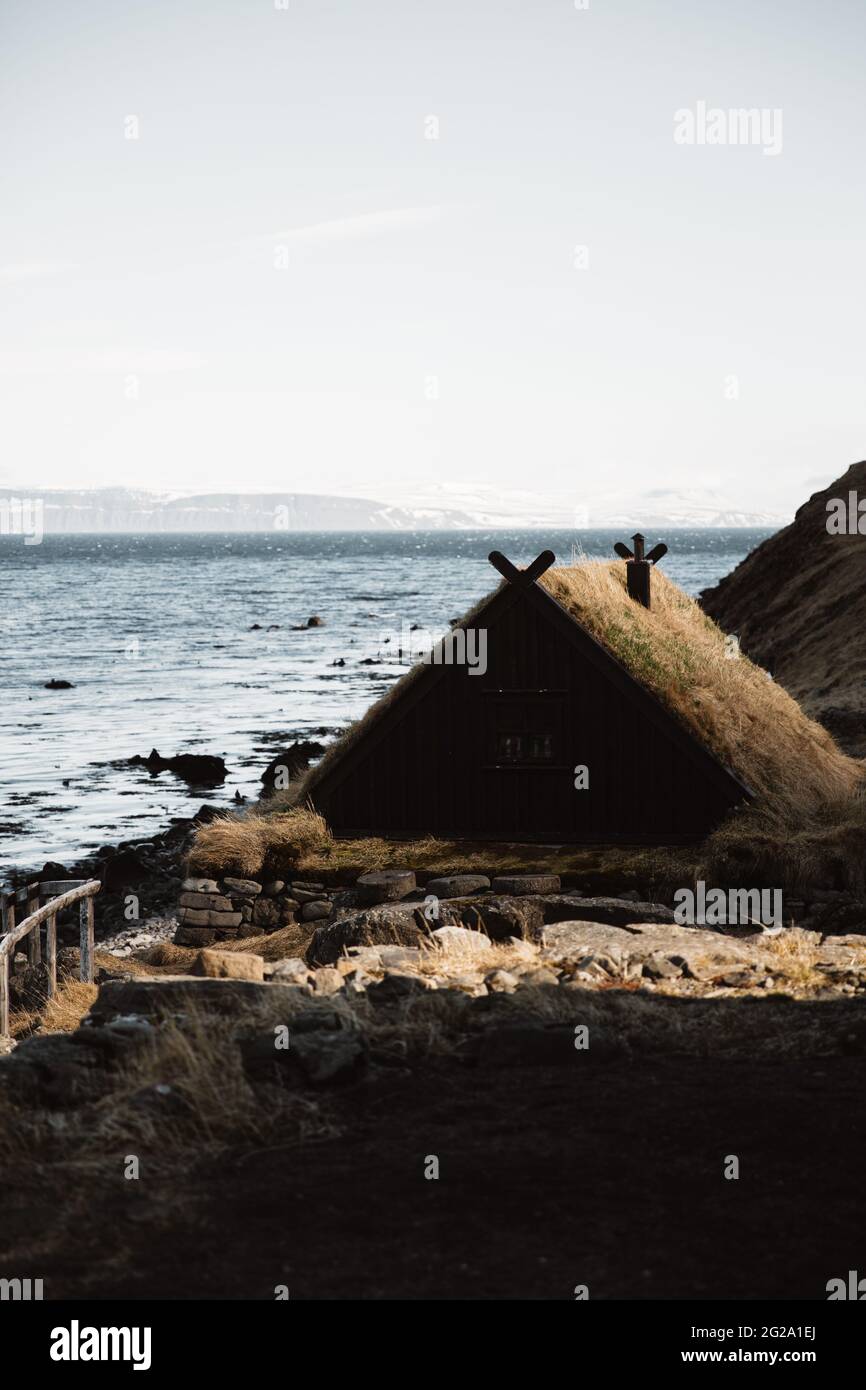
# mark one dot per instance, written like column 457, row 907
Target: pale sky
column 431, row 322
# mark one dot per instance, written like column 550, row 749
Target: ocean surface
column 157, row 635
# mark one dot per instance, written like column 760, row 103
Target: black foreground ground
column 549, row 1178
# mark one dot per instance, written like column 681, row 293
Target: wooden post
column 7, row 914
column 4, row 996
column 34, row 942
column 51, row 954
column 86, row 919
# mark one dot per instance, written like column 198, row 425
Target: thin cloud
column 367, row 224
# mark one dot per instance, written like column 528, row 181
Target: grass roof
column 673, row 649
column 733, row 706
column 803, row 783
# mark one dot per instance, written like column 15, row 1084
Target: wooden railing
column 60, row 894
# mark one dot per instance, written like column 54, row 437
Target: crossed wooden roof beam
column 521, row 579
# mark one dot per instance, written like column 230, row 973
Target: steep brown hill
column 798, row 605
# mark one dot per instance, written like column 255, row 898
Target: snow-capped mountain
column 457, row 506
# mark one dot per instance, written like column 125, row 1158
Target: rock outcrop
column 796, row 604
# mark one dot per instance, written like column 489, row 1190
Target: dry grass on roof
column 751, row 724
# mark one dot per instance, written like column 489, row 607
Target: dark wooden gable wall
column 493, row 756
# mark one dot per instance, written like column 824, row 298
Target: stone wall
column 223, row 909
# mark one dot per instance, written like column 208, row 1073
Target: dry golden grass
column 64, row 1012
column 732, row 705
column 61, row 1014
column 279, row 945
column 220, row 853
column 793, row 957
column 824, row 847
column 185, row 1091
column 248, row 846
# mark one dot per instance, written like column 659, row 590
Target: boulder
column 153, row 996
column 200, row 885
column 519, row 885
column 615, row 912
column 392, row 957
column 457, row 885
column 538, row 975
column 377, row 926
column 502, row 918
column 501, row 982
column 396, row 988
column 575, row 941
column 692, row 951
column 242, row 887
column 385, row 886
column 293, row 969
column 228, row 965
column 315, row 911
column 462, row 941
column 327, row 980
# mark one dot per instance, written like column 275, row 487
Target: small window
column 524, row 748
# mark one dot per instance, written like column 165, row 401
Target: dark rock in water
column 51, row 871
column 59, row 685
column 200, row 769
column 289, row 764
column 122, row 869
column 255, row 627
column 314, row 621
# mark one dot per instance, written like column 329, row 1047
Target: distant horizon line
column 386, row 531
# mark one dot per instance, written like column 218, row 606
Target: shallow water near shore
column 156, row 634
